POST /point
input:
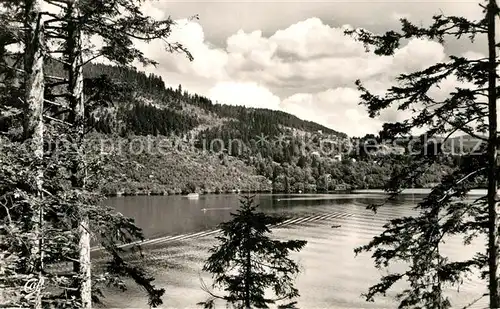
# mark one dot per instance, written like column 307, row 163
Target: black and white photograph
column 242, row 154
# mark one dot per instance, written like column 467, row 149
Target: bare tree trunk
column 85, row 264
column 33, row 124
column 493, row 244
column 83, row 267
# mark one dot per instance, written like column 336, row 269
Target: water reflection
column 332, row 277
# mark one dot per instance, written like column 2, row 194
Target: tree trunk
column 248, row 269
column 85, row 264
column 33, row 126
column 83, row 267
column 492, row 161
column 439, row 284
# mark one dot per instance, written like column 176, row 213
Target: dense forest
column 292, row 154
column 72, row 132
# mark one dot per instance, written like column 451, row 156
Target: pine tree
column 33, row 124
column 118, row 23
column 23, row 82
column 74, row 58
column 445, row 211
column 247, row 261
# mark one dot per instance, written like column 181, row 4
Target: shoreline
column 120, row 194
column 476, row 191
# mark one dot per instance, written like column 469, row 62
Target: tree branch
column 92, row 58
column 55, row 103
column 58, row 120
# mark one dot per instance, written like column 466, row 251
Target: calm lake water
column 181, row 231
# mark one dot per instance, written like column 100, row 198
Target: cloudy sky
column 293, row 56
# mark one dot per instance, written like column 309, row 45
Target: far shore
column 473, row 192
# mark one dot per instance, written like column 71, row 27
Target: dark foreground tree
column 118, row 24
column 36, row 246
column 21, row 23
column 247, row 261
column 470, row 108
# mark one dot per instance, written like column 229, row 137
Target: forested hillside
column 186, row 111
column 222, row 148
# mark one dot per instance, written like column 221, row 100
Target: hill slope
column 216, row 147
column 167, row 110
column 160, row 165
column 205, row 131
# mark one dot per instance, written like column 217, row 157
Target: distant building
column 337, row 157
column 315, row 153
column 399, row 150
column 384, row 150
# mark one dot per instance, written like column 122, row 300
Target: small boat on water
column 336, row 226
column 221, row 208
column 193, row 196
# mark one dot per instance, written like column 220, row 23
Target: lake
column 181, row 231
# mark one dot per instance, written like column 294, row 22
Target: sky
column 293, row 56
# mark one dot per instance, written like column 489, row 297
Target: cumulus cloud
column 336, row 108
column 247, row 94
column 339, row 109
column 418, row 54
column 209, row 62
column 312, row 38
column 252, row 46
column 299, row 57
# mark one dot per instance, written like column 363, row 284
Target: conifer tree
column 63, row 206
column 21, row 23
column 34, row 81
column 74, row 58
column 247, row 261
column 471, row 109
column 118, row 23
